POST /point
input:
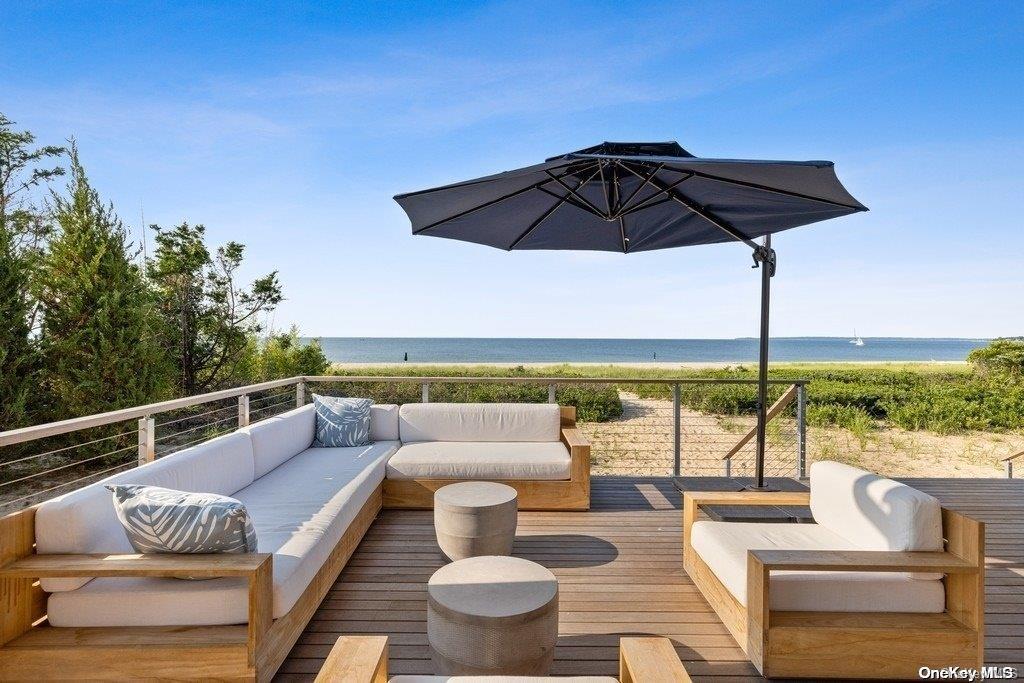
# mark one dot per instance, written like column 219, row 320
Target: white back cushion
column 384, row 422
column 281, row 437
column 873, row 512
column 479, row 422
column 84, row 521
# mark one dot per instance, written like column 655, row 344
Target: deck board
column 619, row 568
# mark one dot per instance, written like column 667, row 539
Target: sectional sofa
column 111, row 613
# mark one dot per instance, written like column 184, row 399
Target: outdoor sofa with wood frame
column 364, row 659
column 885, row 582
column 77, row 602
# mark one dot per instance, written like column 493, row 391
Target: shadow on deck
column 619, row 568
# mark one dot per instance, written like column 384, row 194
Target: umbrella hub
column 632, row 149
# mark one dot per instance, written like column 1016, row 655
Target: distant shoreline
column 641, row 353
column 686, row 365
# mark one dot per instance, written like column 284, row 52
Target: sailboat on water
column 856, row 341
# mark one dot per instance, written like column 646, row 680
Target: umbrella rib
column 533, row 226
column 590, row 207
column 491, row 202
column 571, row 202
column 709, row 216
column 561, row 200
column 765, row 188
column 604, row 188
column 645, row 203
column 619, row 209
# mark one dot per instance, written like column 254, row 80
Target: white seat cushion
column 383, row 422
column 279, row 438
column 480, row 460
column 479, row 422
column 300, row 511
column 84, row 521
column 874, row 512
column 723, row 547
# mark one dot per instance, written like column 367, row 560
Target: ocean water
column 787, row 349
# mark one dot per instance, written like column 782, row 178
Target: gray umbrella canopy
column 639, row 196
column 630, row 197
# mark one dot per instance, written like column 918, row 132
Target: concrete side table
column 492, row 615
column 474, row 518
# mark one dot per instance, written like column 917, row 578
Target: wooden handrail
column 490, row 379
column 772, row 413
column 24, row 434
column 1013, row 457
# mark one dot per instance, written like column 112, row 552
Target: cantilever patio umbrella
column 639, row 196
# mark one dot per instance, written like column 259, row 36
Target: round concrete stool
column 492, row 615
column 474, row 518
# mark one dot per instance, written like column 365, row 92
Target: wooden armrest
column 862, row 561
column 574, row 438
column 747, row 497
column 650, row 660
column 153, row 565
column 356, row 659
column 257, row 568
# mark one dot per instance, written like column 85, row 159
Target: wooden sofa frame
column 32, row 650
column 571, row 494
column 364, row 659
column 879, row 645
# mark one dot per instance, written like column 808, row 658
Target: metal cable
column 67, row 448
column 67, row 483
column 64, row 467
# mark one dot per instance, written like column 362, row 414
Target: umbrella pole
column 765, row 258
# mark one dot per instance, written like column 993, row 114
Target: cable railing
column 636, row 426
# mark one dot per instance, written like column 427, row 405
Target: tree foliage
column 209, row 318
column 100, row 343
column 22, row 227
column 284, row 355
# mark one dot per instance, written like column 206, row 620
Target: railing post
column 300, row 394
column 728, row 467
column 147, row 440
column 551, row 393
column 1009, row 469
column 425, row 392
column 243, row 410
column 676, row 432
column 801, row 431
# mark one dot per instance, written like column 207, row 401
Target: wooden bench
column 364, row 659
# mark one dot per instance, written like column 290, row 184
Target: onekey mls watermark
column 962, row 673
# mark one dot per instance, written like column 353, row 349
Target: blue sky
column 289, row 127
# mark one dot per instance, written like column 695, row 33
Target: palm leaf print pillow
column 341, row 422
column 159, row 520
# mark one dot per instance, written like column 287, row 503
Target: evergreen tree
column 99, row 335
column 210, row 320
column 22, row 227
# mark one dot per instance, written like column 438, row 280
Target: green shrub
column 860, row 398
column 1002, row 356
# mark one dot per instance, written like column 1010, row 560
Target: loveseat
column 533, row 447
column 310, row 508
column 884, row 582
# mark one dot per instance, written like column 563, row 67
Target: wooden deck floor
column 619, row 568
